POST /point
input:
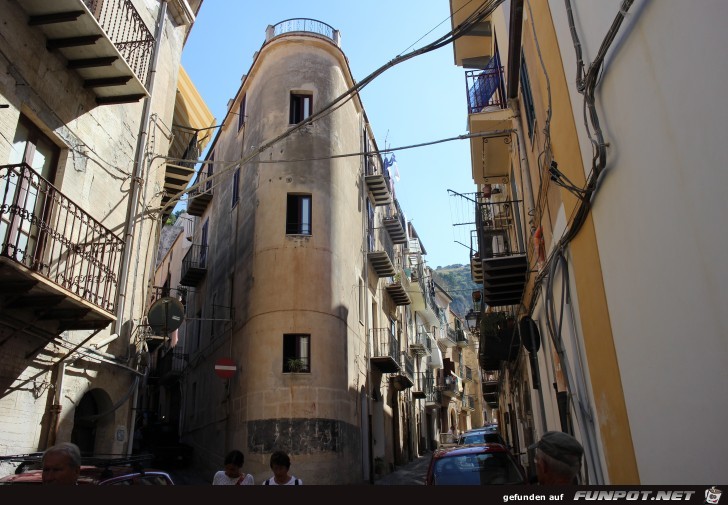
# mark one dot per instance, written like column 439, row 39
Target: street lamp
column 471, row 320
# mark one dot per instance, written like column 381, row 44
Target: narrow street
column 410, row 474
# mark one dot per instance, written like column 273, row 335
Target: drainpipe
column 514, row 104
column 370, row 432
column 139, row 160
column 55, row 410
column 133, row 203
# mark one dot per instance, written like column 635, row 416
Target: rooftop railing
column 303, row 25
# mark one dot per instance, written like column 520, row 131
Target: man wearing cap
column 558, row 458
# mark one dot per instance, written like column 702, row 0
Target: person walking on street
column 62, row 464
column 233, row 475
column 280, row 463
column 557, row 458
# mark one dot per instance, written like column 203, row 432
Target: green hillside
column 456, row 281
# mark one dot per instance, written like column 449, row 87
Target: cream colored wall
column 289, row 284
column 658, row 217
column 98, row 145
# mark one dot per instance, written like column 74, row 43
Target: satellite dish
column 166, row 315
column 530, row 335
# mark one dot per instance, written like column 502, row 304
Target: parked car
column 480, row 464
column 118, row 472
column 479, row 436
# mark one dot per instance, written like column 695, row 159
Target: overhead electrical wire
column 485, row 10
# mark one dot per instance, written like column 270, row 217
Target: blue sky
column 417, row 101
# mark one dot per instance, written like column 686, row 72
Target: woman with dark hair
column 280, row 463
column 233, row 475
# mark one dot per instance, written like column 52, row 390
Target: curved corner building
column 281, row 240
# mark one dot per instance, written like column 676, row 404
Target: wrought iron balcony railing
column 45, row 231
column 486, row 90
column 303, row 25
column 126, row 29
column 171, row 365
column 194, row 265
column 385, row 350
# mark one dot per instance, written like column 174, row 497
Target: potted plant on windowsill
column 297, row 365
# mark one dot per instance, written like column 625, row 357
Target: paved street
column 413, row 473
column 410, row 474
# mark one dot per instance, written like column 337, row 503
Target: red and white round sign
column 225, row 368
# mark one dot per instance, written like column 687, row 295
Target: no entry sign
column 225, row 368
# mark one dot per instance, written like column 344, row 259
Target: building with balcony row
column 598, row 156
column 84, row 100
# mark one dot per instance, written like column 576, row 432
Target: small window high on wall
column 296, row 353
column 298, row 215
column 301, row 107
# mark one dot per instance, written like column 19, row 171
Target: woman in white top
column 233, row 475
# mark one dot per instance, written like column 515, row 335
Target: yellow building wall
column 616, row 439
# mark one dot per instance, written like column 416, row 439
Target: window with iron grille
column 296, row 353
column 301, row 107
column 298, row 215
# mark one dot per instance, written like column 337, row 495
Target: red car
column 474, row 465
column 119, row 472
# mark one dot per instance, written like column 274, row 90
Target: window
column 241, row 113
column 301, row 106
column 298, row 215
column 203, row 244
column 362, row 298
column 296, row 353
column 236, row 184
column 527, row 96
column 24, row 232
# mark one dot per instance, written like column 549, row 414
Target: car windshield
column 481, row 437
column 476, row 469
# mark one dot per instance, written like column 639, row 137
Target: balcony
column 448, row 386
column 200, row 197
column 194, row 265
column 499, row 339
column 394, row 222
column 191, row 133
column 488, row 112
column 59, row 267
column 397, row 292
column 433, row 398
column 381, row 254
column 502, row 250
column 472, row 50
column 385, row 350
column 476, row 268
column 422, row 344
column 469, row 402
column 424, row 383
column 305, row 26
column 448, row 337
column 377, row 181
column 461, row 339
column 404, row 379
column 104, row 41
column 170, row 366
